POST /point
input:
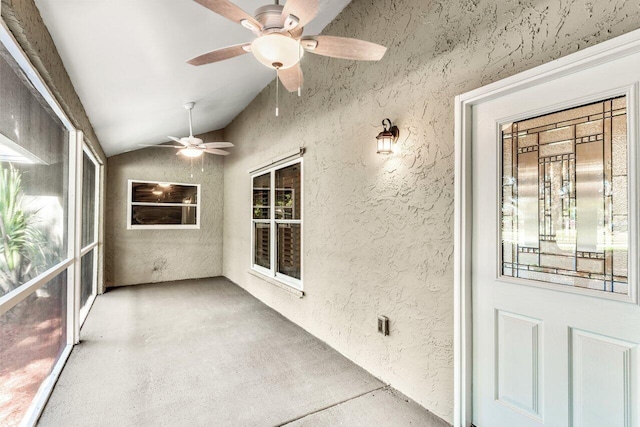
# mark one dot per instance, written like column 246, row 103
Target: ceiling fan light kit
column 277, row 51
column 191, row 152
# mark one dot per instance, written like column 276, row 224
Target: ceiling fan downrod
column 189, row 106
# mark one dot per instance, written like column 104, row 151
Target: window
column 163, row 205
column 277, row 223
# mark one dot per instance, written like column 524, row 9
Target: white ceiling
column 126, row 59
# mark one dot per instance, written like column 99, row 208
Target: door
column 556, row 324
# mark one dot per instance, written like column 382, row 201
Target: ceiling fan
column 194, row 147
column 279, row 44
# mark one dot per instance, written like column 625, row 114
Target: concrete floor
column 206, row 353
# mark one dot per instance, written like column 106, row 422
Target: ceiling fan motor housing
column 270, row 16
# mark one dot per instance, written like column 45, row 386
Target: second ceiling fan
column 280, row 44
column 191, row 146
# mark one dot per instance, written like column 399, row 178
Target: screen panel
column 34, row 180
column 33, row 335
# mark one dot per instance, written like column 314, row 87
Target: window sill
column 278, row 284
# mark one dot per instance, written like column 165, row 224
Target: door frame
column 609, row 50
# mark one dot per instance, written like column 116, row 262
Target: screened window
column 163, row 205
column 34, row 175
column 89, row 235
column 277, row 223
column 89, row 201
column 36, row 250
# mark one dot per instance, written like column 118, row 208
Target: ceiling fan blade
column 217, row 145
column 304, row 10
column 160, row 146
column 178, row 140
column 344, row 48
column 216, row 151
column 292, row 77
column 232, row 12
column 219, row 54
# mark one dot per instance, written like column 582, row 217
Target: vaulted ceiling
column 126, row 59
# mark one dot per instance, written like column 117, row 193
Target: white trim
column 463, row 327
column 13, row 298
column 196, row 205
column 277, row 283
column 607, row 51
column 165, row 227
column 290, row 281
column 101, row 229
column 192, row 205
column 88, row 248
column 78, row 160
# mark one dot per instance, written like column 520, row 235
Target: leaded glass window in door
column 565, row 197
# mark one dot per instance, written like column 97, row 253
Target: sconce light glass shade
column 385, row 143
column 191, row 152
column 277, row 51
column 387, row 137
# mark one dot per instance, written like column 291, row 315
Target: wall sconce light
column 387, row 137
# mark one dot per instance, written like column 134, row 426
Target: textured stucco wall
column 149, row 256
column 378, row 230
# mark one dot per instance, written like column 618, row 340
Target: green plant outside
column 23, row 249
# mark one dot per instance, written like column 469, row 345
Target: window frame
column 272, row 272
column 130, row 205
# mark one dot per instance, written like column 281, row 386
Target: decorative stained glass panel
column 564, row 197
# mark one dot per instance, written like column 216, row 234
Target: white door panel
column 562, row 353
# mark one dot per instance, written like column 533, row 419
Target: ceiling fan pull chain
column 202, row 164
column 299, row 69
column 277, row 92
column 192, row 168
